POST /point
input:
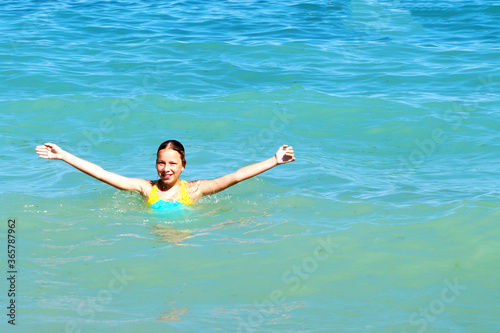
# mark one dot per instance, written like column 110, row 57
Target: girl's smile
column 169, row 166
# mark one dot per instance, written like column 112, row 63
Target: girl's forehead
column 169, row 154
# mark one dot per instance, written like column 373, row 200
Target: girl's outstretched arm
column 207, row 187
column 52, row 151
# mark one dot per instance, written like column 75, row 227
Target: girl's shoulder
column 147, row 186
column 193, row 188
column 194, row 184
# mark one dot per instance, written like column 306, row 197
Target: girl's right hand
column 50, row 151
column 284, row 154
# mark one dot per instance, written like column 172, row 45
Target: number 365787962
column 11, row 240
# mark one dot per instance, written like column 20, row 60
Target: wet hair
column 174, row 145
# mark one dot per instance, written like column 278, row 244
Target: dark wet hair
column 174, row 145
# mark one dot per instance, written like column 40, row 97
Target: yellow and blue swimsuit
column 156, row 203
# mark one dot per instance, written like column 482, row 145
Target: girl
column 168, row 192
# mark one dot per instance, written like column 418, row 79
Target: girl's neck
column 165, row 187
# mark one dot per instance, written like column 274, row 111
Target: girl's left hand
column 50, row 151
column 284, row 154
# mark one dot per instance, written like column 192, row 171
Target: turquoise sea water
column 387, row 221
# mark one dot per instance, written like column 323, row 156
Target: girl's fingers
column 42, row 151
column 43, row 156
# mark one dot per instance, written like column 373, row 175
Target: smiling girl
column 169, row 191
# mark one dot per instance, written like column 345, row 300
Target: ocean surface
column 388, row 220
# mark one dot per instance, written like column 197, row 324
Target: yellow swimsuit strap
column 183, row 199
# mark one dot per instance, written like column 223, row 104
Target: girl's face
column 169, row 166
